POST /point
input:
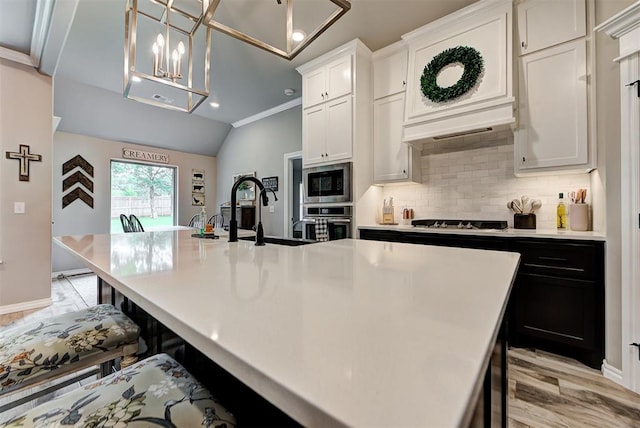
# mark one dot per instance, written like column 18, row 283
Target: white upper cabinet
column 392, row 159
column 553, row 108
column 390, row 74
column 327, row 132
column 327, row 82
column 336, row 106
column 546, row 23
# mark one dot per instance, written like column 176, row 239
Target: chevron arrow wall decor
column 77, row 193
column 80, row 178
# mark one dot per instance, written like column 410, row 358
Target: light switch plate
column 272, row 209
column 18, row 207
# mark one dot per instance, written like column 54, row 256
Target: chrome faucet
column 265, row 199
column 233, row 222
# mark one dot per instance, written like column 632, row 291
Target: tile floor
column 545, row 390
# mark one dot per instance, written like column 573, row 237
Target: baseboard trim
column 612, row 373
column 25, row 306
column 72, row 272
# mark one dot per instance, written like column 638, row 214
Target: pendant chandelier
column 167, row 53
column 281, row 27
column 168, row 42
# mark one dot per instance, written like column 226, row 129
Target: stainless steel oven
column 339, row 221
column 328, row 183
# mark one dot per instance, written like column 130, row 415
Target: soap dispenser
column 202, row 220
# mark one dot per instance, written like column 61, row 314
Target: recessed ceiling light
column 214, row 104
column 298, row 35
column 136, row 79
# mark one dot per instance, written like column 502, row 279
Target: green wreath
column 473, row 65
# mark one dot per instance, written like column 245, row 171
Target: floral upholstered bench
column 40, row 351
column 156, row 391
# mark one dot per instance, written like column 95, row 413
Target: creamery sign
column 144, row 156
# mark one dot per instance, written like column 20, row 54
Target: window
column 146, row 190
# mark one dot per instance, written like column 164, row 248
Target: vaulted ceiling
column 245, row 80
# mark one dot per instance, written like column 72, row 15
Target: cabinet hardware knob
column 322, row 95
column 404, row 171
column 404, row 83
column 523, row 159
column 326, row 154
column 637, row 83
column 327, row 94
column 523, row 44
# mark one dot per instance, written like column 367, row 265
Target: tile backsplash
column 477, row 184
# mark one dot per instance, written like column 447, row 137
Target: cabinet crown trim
column 622, row 23
column 470, row 12
column 350, row 48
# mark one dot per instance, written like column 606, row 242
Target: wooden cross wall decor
column 24, row 157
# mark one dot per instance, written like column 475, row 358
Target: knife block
column 387, row 215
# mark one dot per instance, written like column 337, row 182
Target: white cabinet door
column 314, row 134
column 313, row 87
column 338, row 78
column 552, row 130
column 328, row 131
column 327, row 82
column 339, row 129
column 390, row 155
column 390, row 74
column 545, row 23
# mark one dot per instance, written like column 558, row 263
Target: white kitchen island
column 349, row 332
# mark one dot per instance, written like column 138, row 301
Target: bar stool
column 156, row 391
column 42, row 351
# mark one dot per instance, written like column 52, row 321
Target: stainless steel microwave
column 327, row 183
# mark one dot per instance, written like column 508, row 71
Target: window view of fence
column 147, row 191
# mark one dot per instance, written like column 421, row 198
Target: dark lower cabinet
column 557, row 302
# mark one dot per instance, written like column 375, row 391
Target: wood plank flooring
column 545, row 390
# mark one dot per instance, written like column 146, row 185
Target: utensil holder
column 579, row 217
column 524, row 221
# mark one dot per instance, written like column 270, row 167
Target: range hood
column 485, row 29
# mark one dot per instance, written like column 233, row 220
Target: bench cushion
column 35, row 349
column 156, row 391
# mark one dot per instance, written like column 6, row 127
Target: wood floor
column 545, row 390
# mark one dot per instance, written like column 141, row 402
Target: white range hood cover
column 485, row 26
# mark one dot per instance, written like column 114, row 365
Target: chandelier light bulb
column 181, row 48
column 160, row 40
column 297, row 36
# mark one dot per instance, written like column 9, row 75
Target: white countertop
column 347, row 332
column 509, row 233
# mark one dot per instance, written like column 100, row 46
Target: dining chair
column 136, row 226
column 216, row 220
column 194, row 221
column 126, row 223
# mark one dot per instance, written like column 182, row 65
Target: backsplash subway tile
column 477, row 184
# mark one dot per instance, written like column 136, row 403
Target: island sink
column 279, row 240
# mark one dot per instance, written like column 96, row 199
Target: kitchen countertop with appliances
column 504, row 232
column 346, row 332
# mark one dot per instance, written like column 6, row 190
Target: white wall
column 606, row 181
column 78, row 218
column 25, row 239
column 260, row 146
column 476, row 184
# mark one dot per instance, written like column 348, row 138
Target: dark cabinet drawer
column 557, row 309
column 380, row 235
column 572, row 260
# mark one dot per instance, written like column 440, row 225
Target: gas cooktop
column 460, row 224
